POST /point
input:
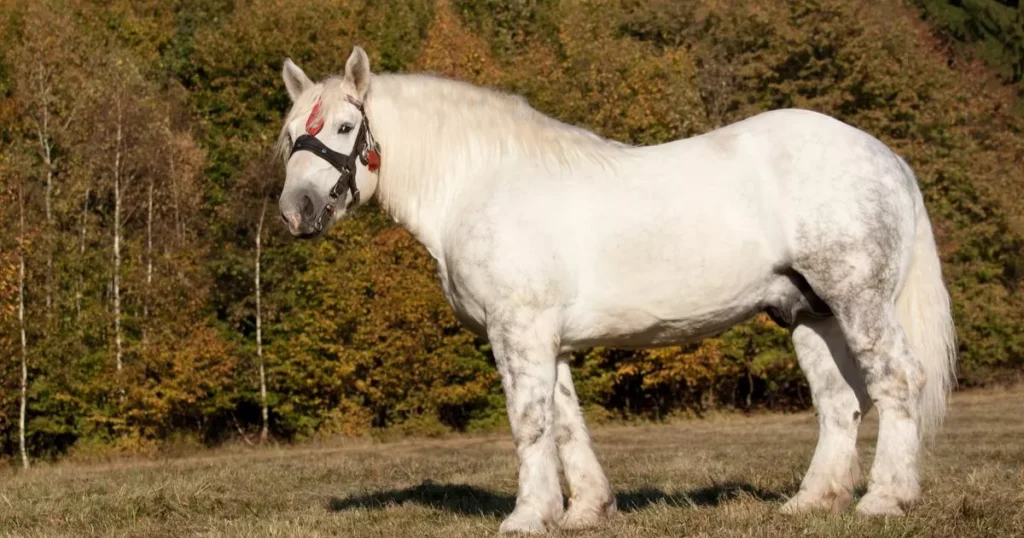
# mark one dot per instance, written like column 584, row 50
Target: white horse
column 549, row 238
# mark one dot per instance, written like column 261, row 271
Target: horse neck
column 439, row 137
column 411, row 198
column 422, row 170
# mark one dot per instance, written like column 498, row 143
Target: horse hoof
column 873, row 505
column 806, row 503
column 523, row 523
column 587, row 515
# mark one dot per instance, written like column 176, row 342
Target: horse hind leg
column 860, row 289
column 895, row 379
column 590, row 495
column 840, row 397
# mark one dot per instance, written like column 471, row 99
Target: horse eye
column 345, row 127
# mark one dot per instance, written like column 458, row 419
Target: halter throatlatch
column 365, row 149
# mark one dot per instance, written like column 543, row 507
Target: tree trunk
column 117, row 240
column 46, row 152
column 21, row 323
column 259, row 331
column 149, row 251
column 750, row 387
column 175, row 203
column 81, row 256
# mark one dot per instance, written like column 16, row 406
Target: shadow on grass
column 456, row 498
column 639, row 499
column 470, row 500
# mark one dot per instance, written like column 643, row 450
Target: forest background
column 138, row 196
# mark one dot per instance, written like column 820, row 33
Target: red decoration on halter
column 373, row 161
column 315, row 122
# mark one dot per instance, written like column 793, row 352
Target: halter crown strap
column 365, row 149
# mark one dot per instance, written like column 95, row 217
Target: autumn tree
column 47, row 66
column 141, row 131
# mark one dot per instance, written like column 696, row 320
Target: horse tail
column 923, row 306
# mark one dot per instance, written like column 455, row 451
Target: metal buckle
column 327, row 213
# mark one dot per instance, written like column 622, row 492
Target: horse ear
column 295, row 80
column 357, row 71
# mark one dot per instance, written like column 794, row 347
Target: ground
column 724, row 476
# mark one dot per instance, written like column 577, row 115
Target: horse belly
column 639, row 328
column 669, row 310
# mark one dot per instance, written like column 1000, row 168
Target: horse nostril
column 307, row 208
column 293, row 221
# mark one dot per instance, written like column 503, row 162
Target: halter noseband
column 365, row 149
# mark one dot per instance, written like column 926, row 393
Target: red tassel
column 315, row 121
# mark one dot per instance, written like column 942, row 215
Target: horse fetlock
column 904, row 488
column 890, row 497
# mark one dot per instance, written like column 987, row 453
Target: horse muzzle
column 302, row 209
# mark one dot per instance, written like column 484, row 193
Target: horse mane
column 444, row 132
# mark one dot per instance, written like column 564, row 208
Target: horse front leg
column 590, row 495
column 525, row 348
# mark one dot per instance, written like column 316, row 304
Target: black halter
column 345, row 164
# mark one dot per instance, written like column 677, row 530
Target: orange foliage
column 451, row 50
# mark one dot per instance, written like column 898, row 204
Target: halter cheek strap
column 365, row 150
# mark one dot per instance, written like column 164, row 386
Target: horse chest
column 467, row 310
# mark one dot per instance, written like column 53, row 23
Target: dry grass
column 717, row 477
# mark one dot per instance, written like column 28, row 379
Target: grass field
column 723, row 476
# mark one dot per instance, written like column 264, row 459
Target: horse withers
column 549, row 238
